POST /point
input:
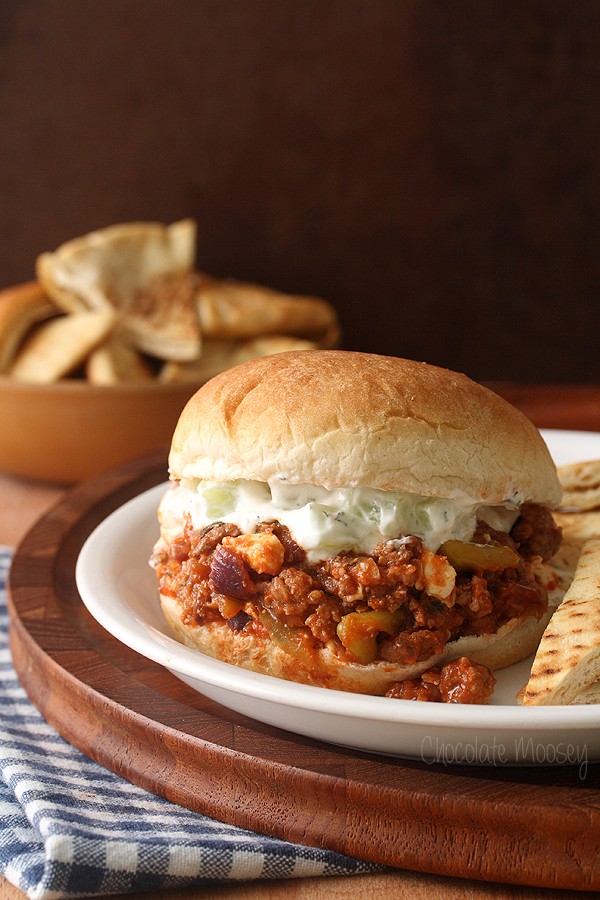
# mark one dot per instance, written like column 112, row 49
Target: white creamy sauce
column 325, row 522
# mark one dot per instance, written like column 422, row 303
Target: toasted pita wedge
column 21, row 308
column 106, row 268
column 230, row 309
column 162, row 320
column 116, row 362
column 581, row 485
column 140, row 269
column 220, row 355
column 270, row 343
column 216, row 356
column 60, row 345
column 567, row 662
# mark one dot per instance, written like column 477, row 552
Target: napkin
column 71, row 828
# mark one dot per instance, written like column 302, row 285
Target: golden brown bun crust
column 342, row 418
column 512, row 643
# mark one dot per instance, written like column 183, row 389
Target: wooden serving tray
column 516, row 825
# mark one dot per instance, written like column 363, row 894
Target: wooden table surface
column 23, row 502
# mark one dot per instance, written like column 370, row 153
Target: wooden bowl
column 69, row 431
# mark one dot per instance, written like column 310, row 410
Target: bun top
column 338, row 418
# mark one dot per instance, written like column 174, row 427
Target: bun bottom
column 513, row 642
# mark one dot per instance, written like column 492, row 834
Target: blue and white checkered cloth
column 71, row 828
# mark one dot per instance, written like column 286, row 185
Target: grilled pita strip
column 578, row 528
column 590, row 695
column 581, row 485
column 564, row 562
column 567, row 662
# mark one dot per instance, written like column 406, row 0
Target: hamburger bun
column 339, row 419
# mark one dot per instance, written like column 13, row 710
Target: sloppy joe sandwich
column 358, row 522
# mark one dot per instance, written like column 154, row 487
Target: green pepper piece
column 286, row 637
column 358, row 631
column 468, row 557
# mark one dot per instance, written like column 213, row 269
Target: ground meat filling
column 401, row 603
column 458, row 681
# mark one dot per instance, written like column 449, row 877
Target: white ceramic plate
column 119, row 589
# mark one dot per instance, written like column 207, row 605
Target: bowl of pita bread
column 100, row 353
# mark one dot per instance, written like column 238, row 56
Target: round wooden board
column 515, row 825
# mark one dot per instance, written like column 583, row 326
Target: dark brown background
column 432, row 168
